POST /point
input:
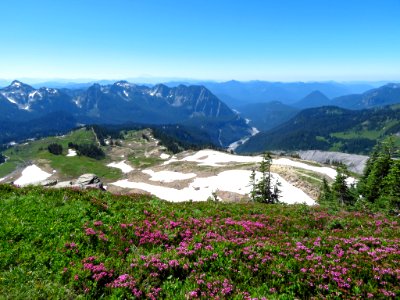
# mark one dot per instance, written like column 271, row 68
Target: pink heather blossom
column 193, row 294
column 98, row 223
column 90, row 231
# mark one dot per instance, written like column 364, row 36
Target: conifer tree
column 377, row 168
column 263, row 191
column 391, row 187
column 340, row 189
column 326, row 196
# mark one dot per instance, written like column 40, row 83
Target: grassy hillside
column 24, row 154
column 90, row 244
column 330, row 128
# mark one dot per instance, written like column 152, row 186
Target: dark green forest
column 378, row 188
column 329, row 128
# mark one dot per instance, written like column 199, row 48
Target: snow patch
column 164, row 156
column 11, row 100
column 71, row 152
column 34, row 93
column 30, row 175
column 231, row 181
column 254, row 131
column 168, row 176
column 216, row 159
column 125, row 168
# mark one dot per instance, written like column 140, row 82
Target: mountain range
column 124, row 102
column 28, row 112
column 329, row 128
column 236, row 93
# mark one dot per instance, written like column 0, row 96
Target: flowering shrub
column 246, row 255
column 88, row 244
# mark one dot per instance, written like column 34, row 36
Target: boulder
column 87, row 179
column 49, row 182
column 63, row 184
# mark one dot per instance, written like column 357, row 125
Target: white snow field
column 200, row 189
column 71, row 152
column 168, row 176
column 30, row 175
column 164, row 156
column 124, row 167
column 216, row 159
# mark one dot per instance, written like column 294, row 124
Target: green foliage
column 89, row 150
column 104, row 132
column 377, row 190
column 380, row 184
column 2, row 158
column 263, row 190
column 55, row 149
column 340, row 194
column 340, row 189
column 325, row 197
column 22, row 154
column 329, row 128
column 72, row 244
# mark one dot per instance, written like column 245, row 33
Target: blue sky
column 282, row 40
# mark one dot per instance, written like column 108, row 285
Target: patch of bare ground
column 292, row 176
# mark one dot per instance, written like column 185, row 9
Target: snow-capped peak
column 16, row 84
column 123, row 84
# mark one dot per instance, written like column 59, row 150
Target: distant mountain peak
column 316, row 92
column 16, row 84
column 315, row 99
column 123, row 84
column 393, row 85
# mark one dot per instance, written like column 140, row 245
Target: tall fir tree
column 340, row 189
column 377, row 168
column 263, row 190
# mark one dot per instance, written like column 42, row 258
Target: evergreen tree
column 326, row 196
column 377, row 168
column 391, row 187
column 263, row 191
column 55, row 148
column 340, row 190
column 2, row 158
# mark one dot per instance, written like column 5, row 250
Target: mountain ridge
column 329, row 128
column 123, row 102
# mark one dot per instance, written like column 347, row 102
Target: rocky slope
column 124, row 102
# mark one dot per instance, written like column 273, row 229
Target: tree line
column 377, row 189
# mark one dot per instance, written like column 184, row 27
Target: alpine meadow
column 200, row 149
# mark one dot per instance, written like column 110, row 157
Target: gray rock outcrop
column 354, row 162
column 85, row 181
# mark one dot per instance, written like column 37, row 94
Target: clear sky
column 281, row 40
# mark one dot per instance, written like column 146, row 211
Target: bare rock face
column 355, row 163
column 85, row 181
